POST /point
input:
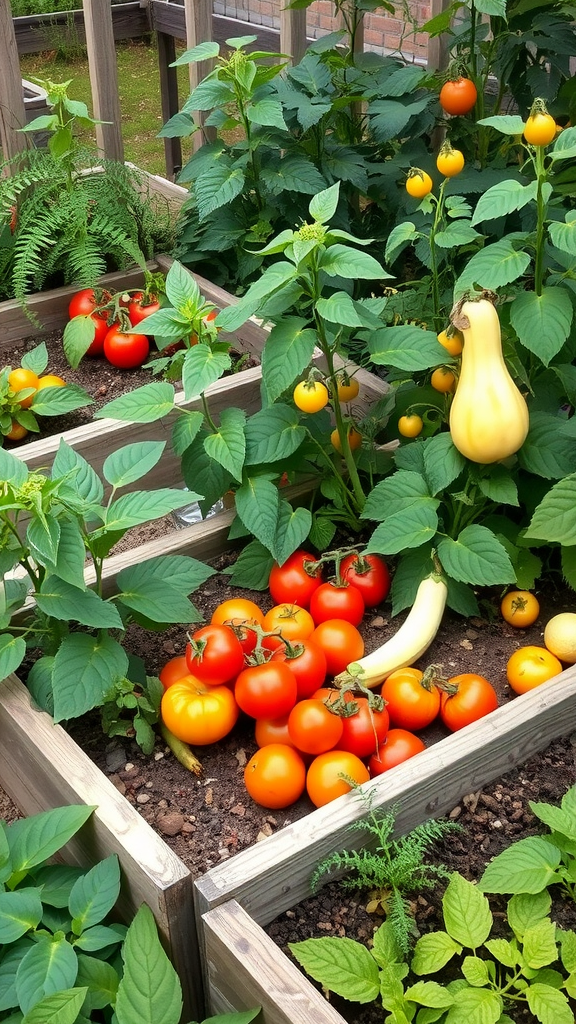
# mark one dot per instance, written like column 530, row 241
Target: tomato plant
column 458, row 96
column 369, row 574
column 418, row 183
column 291, row 581
column 17, row 432
column 410, row 425
column 22, row 379
column 540, row 129
column 237, row 609
column 399, row 745
column 293, row 622
column 364, row 731
column 473, row 698
column 214, row 654
column 197, row 713
column 341, row 643
column 530, row 666
column 141, row 306
column 125, row 350
column 310, row 395
column 266, row 691
column 326, row 778
column 173, row 670
column 449, row 161
column 307, row 662
column 275, row 776
column 412, row 702
column 520, row 608
column 334, row 601
column 313, row 728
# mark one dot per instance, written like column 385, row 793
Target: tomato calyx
column 433, row 678
column 345, row 706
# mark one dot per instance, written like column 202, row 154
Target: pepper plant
column 49, row 523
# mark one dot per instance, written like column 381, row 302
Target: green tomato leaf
column 433, row 951
column 406, row 347
column 36, row 359
column 35, row 839
column 252, row 567
column 227, row 445
column 503, row 198
column 457, row 233
column 77, row 337
column 294, row 525
column 288, row 352
column 342, row 261
column 217, row 186
column 202, row 366
column 547, row 451
column 400, row 236
column 273, row 434
column 475, row 1006
column 144, row 405
column 409, row 528
column 84, row 482
column 548, row 1004
column 476, row 557
column 565, row 146
column 94, row 894
column 539, row 944
column 99, row 977
column 467, row 913
column 20, row 912
column 140, row 506
column 323, row 206
column 257, row 504
column 395, row 494
column 57, row 1008
column 494, row 266
column 56, row 401
column 131, row 462
column 341, row 965
column 542, row 322
column 185, row 430
column 85, row 667
column 67, row 603
column 507, row 124
column 443, row 463
column 529, row 865
column 269, row 283
column 149, row 990
column 12, row 651
column 554, row 519
column 50, row 966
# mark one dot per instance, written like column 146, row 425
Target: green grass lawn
column 138, row 83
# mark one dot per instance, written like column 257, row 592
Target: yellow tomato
column 410, row 425
column 530, row 667
column 540, row 129
column 310, row 396
column 520, row 608
column 453, row 342
column 443, row 380
column 20, row 379
column 354, row 439
column 418, row 183
column 449, row 161
column 50, row 380
column 348, row 388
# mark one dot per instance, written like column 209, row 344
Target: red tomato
column 293, row 622
column 331, row 601
column 246, row 636
column 291, row 582
column 138, row 309
column 266, row 691
column 313, row 728
column 411, row 705
column 173, row 670
column 197, row 713
column 363, row 732
column 125, row 350
column 275, row 776
column 309, row 665
column 341, row 643
column 398, row 746
column 237, row 608
column 83, row 303
column 474, row 698
column 272, row 730
column 214, row 654
column 458, row 96
column 326, row 779
column 369, row 574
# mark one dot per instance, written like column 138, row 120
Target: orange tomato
column 21, row 379
column 410, row 425
column 418, row 183
column 173, row 670
column 453, row 342
column 520, row 608
column 17, row 432
column 293, row 622
column 237, row 608
column 272, row 730
column 326, row 779
column 198, row 713
column 313, row 728
column 443, row 380
column 531, row 666
column 275, row 776
column 354, row 439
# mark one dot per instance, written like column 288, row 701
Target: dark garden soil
column 206, row 820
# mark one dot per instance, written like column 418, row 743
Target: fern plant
column 71, row 223
column 392, row 870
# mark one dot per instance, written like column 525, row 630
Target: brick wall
column 383, row 32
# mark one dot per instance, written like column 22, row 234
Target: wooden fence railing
column 99, row 24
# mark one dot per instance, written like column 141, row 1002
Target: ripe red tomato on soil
column 83, row 303
column 214, row 654
column 139, row 308
column 411, row 705
column 266, row 691
column 369, row 574
column 291, row 582
column 125, row 351
column 272, row 730
column 313, row 728
column 363, row 732
column 309, row 665
column 332, row 601
column 474, row 698
column 173, row 670
column 399, row 746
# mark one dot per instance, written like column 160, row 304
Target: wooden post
column 293, row 32
column 104, row 77
column 439, row 46
column 12, row 113
column 169, row 100
column 198, row 14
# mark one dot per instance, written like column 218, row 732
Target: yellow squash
column 488, row 415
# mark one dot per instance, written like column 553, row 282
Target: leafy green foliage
column 49, row 523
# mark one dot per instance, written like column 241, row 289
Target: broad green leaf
column 273, row 434
column 499, row 486
column 568, row 951
column 341, row 965
column 548, row 1004
column 77, row 338
column 84, row 482
column 529, row 865
column 526, row 909
column 185, row 430
column 340, row 308
column 342, row 261
column 413, row 567
column 494, row 8
column 563, row 235
column 217, row 186
column 179, row 126
column 57, row 881
column 56, row 401
column 168, row 324
column 554, row 519
column 569, row 566
column 85, row 667
column 294, row 525
column 99, row 977
column 503, row 951
column 547, row 452
column 71, row 554
column 461, row 599
column 20, row 912
column 557, row 819
column 409, row 528
column 406, row 347
column 565, row 146
column 476, row 557
column 131, row 462
column 504, row 197
column 149, row 991
column 227, row 444
column 94, row 894
column 43, row 536
column 542, row 322
column 475, row 1006
column 400, row 236
column 48, row 968
column 323, row 206
column 402, row 81
column 144, row 405
column 200, row 471
column 288, row 351
column 65, row 602
column 182, row 288
column 252, row 567
column 156, row 600
column 433, row 951
column 267, row 111
column 181, row 572
column 443, row 463
column 57, row 1008
column 294, row 173
column 539, row 944
column 34, row 839
column 140, row 506
column 12, row 469
column 12, row 651
column 397, row 492
column 388, row 117
column 202, row 367
column 203, row 51
column 494, row 266
column 257, row 504
column 459, row 232
column 208, row 94
column 467, row 914
column 9, row 964
column 475, row 970
column 36, row 359
column 507, row 124
column 429, row 993
column 269, row 283
column 386, row 948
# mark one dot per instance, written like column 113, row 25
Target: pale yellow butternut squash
column 488, row 415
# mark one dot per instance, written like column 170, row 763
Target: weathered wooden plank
column 42, row 767
column 275, row 874
column 293, row 39
column 169, row 101
column 12, row 113
column 103, row 71
column 35, row 32
column 245, row 969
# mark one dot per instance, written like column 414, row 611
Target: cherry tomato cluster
column 122, row 348
column 443, row 379
column 275, row 667
column 312, row 395
column 17, row 390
